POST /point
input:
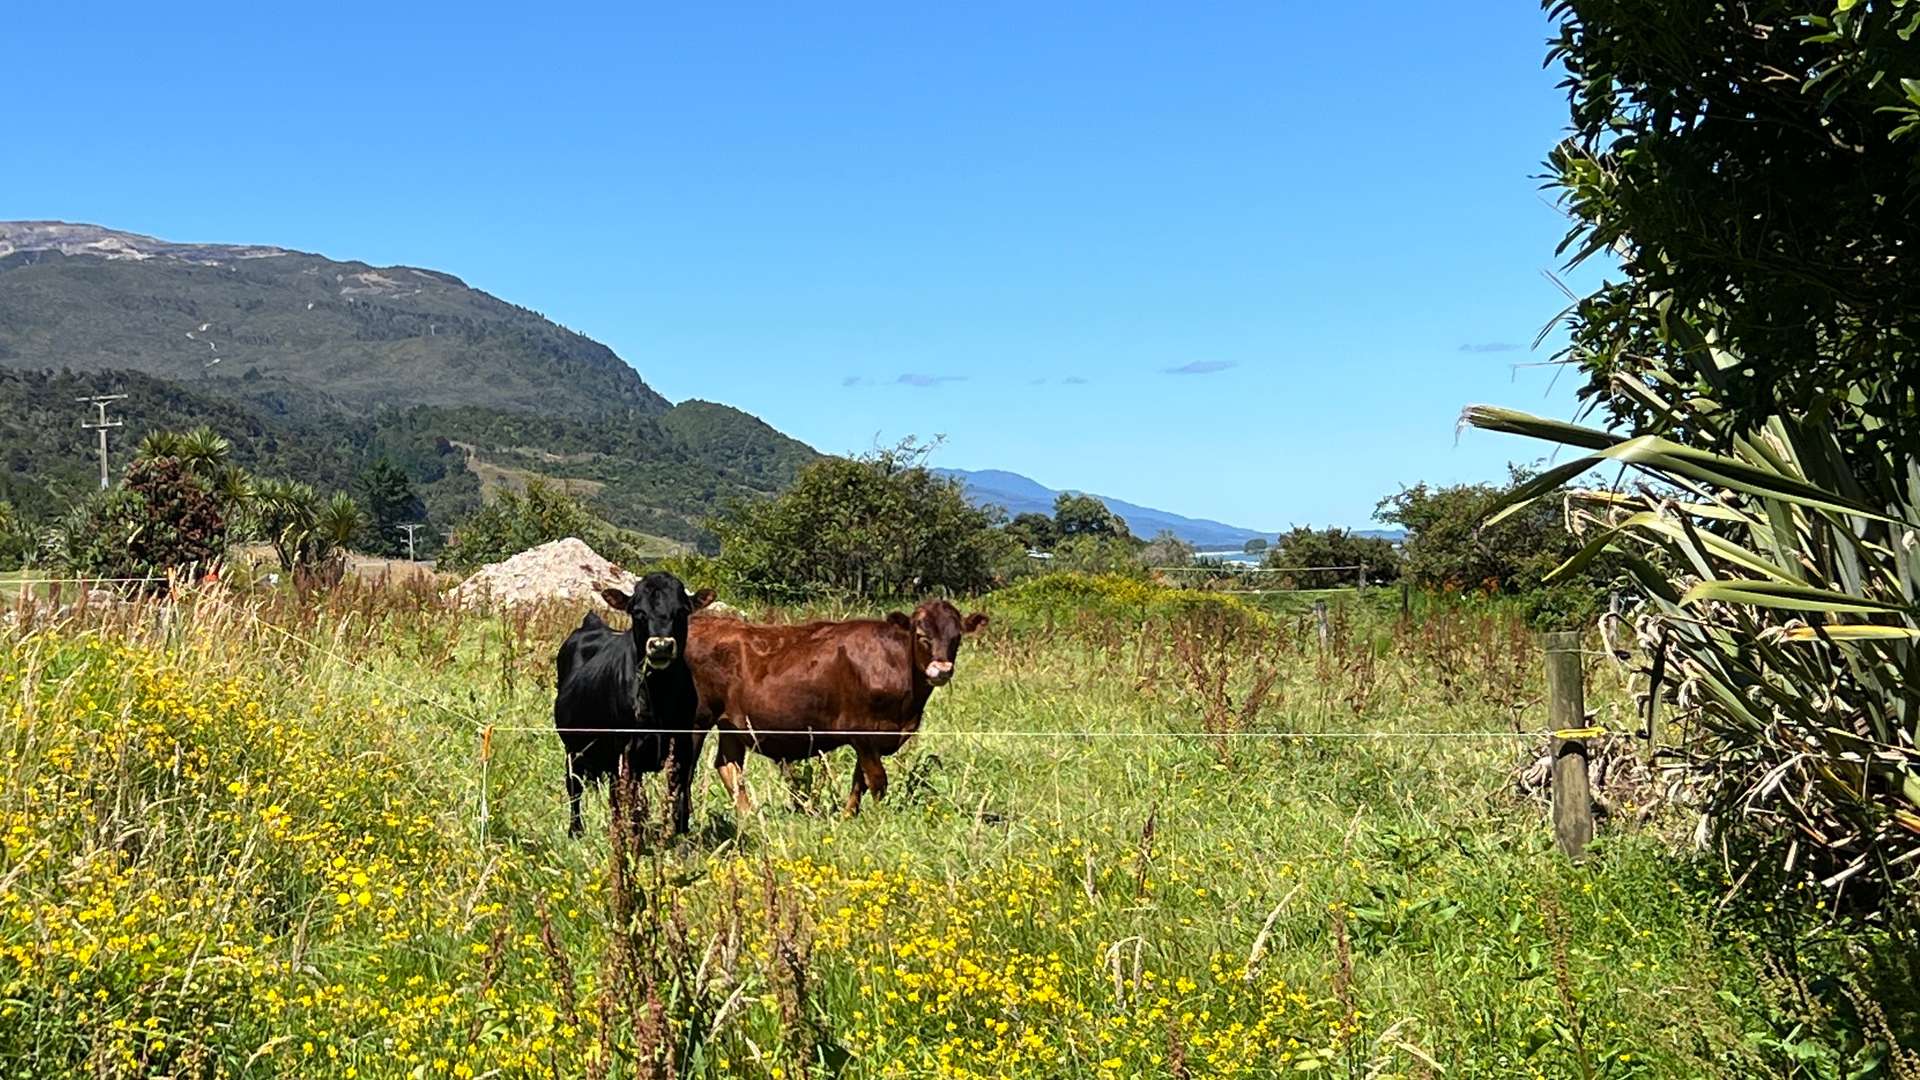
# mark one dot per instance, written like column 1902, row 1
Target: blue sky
column 1240, row 261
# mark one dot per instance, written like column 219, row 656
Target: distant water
column 1235, row 556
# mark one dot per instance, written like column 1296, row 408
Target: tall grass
column 242, row 837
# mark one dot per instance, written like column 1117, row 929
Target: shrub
column 1165, row 549
column 16, row 538
column 513, row 521
column 1084, row 515
column 1335, row 547
column 160, row 519
column 391, row 502
column 1065, row 598
column 1034, row 532
column 1754, row 179
column 1754, row 173
column 1451, row 546
column 877, row 527
column 1098, row 554
column 310, row 537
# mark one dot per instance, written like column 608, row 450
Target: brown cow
column 794, row 692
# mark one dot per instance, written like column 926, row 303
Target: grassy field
column 245, row 837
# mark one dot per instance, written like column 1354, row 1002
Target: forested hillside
column 659, row 475
column 316, row 368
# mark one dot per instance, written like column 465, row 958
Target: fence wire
column 483, row 730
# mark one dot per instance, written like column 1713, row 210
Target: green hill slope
column 89, row 299
column 315, row 367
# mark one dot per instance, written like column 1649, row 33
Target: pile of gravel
column 565, row 570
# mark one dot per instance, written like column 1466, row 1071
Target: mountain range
column 1017, row 494
column 315, row 367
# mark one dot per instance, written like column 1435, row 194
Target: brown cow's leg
column 731, row 759
column 875, row 773
column 859, row 788
column 791, row 775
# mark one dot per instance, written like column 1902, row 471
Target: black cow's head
column 659, row 606
column 937, row 629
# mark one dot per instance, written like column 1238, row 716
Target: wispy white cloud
column 1200, row 367
column 916, row 379
column 1492, row 346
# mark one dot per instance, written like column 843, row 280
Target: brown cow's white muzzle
column 939, row 672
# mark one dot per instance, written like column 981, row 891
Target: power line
column 102, row 425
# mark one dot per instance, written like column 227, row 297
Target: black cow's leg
column 575, row 787
column 616, row 785
column 682, row 758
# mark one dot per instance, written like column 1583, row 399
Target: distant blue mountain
column 1019, row 495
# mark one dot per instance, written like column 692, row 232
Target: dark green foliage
column 1098, row 553
column 1450, row 549
column 160, row 519
column 310, row 535
column 1255, row 546
column 651, row 474
column 1034, row 532
column 181, row 523
column 390, row 501
column 879, row 527
column 514, row 521
column 738, row 445
column 1084, row 515
column 1334, row 547
column 16, row 538
column 47, row 461
column 1752, row 166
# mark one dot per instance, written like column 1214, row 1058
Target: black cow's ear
column 974, row 622
column 904, row 622
column 701, row 599
column 615, row 599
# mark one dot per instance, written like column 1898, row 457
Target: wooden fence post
column 1320, row 617
column 1567, row 711
column 1406, row 600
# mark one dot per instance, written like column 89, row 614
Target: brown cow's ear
column 974, row 622
column 702, row 599
column 615, row 599
column 904, row 622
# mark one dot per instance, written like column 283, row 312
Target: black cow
column 628, row 696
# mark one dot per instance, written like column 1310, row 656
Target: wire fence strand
column 481, row 727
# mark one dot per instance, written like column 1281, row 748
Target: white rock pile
column 565, row 570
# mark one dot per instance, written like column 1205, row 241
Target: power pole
column 410, row 529
column 100, row 402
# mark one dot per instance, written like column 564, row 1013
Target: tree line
column 878, row 526
column 181, row 502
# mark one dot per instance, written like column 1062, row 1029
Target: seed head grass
column 242, row 836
